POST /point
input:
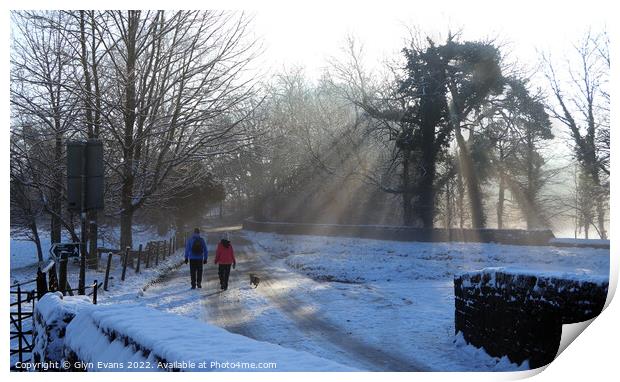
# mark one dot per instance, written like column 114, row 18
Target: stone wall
column 403, row 233
column 519, row 314
column 77, row 335
column 52, row 314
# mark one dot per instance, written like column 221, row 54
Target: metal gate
column 21, row 311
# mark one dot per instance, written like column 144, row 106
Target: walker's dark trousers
column 224, row 271
column 195, row 270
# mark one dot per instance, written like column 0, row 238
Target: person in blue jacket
column 196, row 254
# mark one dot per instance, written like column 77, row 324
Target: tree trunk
column 500, row 201
column 425, row 206
column 408, row 218
column 126, row 225
column 478, row 219
column 127, row 208
column 530, row 193
column 576, row 227
column 461, row 200
column 600, row 211
column 56, row 194
column 600, row 203
column 93, row 259
column 448, row 223
column 426, row 201
column 37, row 239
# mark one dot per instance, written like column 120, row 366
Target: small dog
column 254, row 280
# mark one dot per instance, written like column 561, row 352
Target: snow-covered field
column 24, row 252
column 399, row 295
column 363, row 260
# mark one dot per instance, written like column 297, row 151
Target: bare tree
column 25, row 209
column 515, row 124
column 177, row 80
column 42, row 107
column 163, row 90
column 582, row 105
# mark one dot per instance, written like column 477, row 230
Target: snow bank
column 126, row 337
column 481, row 357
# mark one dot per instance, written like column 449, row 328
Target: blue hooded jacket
column 189, row 255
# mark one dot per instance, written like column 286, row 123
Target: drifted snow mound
column 136, row 338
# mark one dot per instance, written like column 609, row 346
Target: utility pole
column 82, row 282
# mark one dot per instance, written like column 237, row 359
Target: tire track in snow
column 317, row 326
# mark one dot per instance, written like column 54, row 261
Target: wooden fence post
column 157, row 253
column 95, row 293
column 107, row 272
column 41, row 283
column 170, row 248
column 139, row 258
column 125, row 263
column 130, row 262
column 69, row 289
column 53, row 283
column 148, row 253
column 62, row 274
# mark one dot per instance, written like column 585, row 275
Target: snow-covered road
column 270, row 313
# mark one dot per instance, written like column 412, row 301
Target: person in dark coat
column 196, row 254
column 225, row 257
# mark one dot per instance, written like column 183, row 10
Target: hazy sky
column 310, row 34
column 307, row 32
column 307, row 35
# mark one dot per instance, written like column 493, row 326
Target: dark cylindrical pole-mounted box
column 92, row 153
column 94, row 174
column 75, row 157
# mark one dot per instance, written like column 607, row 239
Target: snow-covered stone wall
column 51, row 315
column 127, row 337
column 519, row 313
column 403, row 233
